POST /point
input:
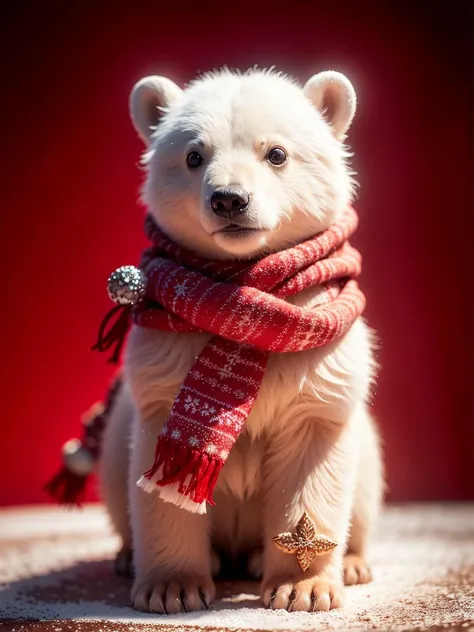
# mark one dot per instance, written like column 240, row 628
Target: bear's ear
column 334, row 96
column 149, row 97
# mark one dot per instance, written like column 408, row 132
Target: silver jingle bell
column 127, row 285
column 77, row 458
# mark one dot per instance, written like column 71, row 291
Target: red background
column 69, row 213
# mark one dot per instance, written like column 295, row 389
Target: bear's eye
column 194, row 160
column 277, row 156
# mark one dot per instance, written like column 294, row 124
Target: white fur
column 309, row 443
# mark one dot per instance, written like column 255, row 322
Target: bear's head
column 240, row 165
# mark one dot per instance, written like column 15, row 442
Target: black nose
column 229, row 201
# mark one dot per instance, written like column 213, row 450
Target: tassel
column 67, row 488
column 192, row 473
column 116, row 332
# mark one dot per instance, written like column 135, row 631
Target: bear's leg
column 367, row 503
column 171, row 546
column 310, row 468
column 114, row 473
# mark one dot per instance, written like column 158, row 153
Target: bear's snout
column 230, row 202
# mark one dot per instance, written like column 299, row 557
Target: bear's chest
column 328, row 379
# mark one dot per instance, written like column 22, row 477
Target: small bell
column 127, row 285
column 77, row 458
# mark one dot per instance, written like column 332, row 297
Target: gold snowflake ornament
column 306, row 543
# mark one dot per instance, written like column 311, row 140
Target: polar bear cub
column 309, row 441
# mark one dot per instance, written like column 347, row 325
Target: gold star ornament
column 306, row 543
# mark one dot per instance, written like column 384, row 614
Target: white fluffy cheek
column 171, row 195
column 270, row 205
column 207, row 218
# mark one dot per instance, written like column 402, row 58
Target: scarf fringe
column 182, row 475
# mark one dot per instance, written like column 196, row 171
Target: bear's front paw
column 174, row 595
column 305, row 595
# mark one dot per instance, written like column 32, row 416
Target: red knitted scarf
column 243, row 306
